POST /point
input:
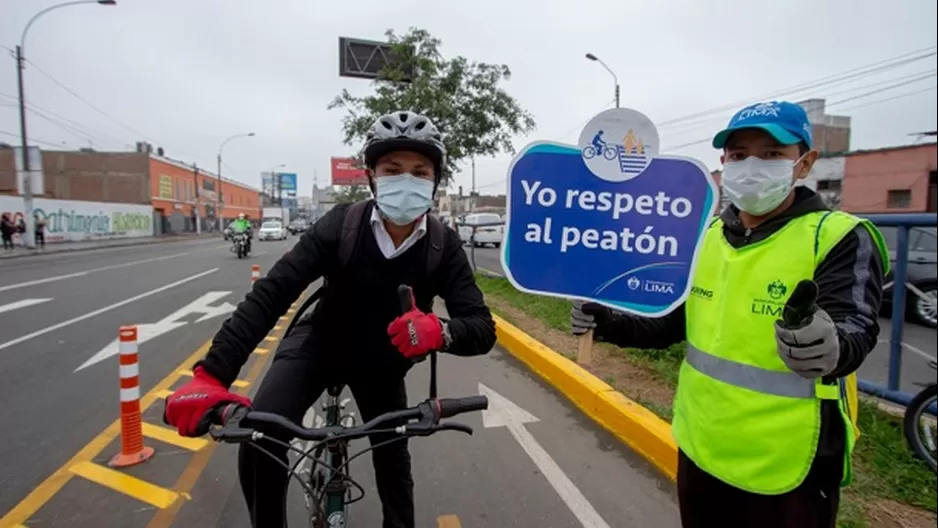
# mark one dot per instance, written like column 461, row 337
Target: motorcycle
column 239, row 244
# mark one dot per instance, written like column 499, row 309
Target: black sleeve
column 642, row 332
column 850, row 290
column 313, row 256
column 471, row 325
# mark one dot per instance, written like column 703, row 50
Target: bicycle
column 329, row 488
column 919, row 423
column 609, row 153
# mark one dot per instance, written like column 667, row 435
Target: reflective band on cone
column 132, row 449
column 255, row 272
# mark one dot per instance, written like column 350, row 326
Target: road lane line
column 170, row 436
column 100, row 311
column 139, row 489
column 448, row 521
column 86, row 272
column 44, row 492
column 21, row 304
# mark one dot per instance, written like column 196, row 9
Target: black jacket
column 350, row 321
column 850, row 289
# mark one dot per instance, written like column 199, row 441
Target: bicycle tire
column 910, row 424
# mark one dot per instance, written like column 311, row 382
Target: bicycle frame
column 331, row 474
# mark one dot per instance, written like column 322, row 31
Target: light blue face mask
column 403, row 198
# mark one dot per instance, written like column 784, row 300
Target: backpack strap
column 351, row 223
column 436, row 232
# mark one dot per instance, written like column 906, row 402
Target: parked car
column 923, row 272
column 484, row 235
column 272, row 231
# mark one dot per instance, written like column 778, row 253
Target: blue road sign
column 609, row 220
column 287, row 181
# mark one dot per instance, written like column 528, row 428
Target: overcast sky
column 186, row 74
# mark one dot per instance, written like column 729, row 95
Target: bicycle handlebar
column 237, row 421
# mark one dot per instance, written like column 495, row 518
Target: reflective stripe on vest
column 757, row 379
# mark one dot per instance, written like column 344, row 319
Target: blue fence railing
column 903, row 222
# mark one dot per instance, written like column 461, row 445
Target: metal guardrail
column 903, row 221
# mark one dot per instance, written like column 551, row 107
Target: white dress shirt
column 383, row 238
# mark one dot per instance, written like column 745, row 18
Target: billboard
column 345, row 171
column 287, row 183
column 70, row 221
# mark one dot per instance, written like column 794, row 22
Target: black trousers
column 706, row 501
column 41, row 238
column 295, row 380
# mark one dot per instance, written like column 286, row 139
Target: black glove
column 806, row 336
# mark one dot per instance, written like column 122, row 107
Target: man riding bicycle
column 356, row 334
column 242, row 225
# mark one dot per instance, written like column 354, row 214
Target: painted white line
column 503, row 412
column 21, row 304
column 87, row 272
column 100, row 311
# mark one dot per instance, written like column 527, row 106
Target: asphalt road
column 914, row 369
column 60, row 312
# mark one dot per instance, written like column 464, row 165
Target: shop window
column 898, row 198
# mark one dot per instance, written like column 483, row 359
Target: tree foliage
column 351, row 193
column 463, row 98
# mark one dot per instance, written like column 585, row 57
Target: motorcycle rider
column 242, row 225
column 355, row 334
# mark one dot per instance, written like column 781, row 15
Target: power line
column 32, row 139
column 91, row 105
column 839, row 78
column 870, row 103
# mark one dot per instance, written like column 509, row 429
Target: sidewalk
column 69, row 247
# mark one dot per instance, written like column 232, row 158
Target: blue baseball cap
column 786, row 122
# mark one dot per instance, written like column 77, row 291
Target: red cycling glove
column 187, row 409
column 416, row 333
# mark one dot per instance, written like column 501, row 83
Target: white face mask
column 403, row 198
column 758, row 186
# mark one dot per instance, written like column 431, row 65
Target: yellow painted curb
column 635, row 425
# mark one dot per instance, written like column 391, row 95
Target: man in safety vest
column 782, row 311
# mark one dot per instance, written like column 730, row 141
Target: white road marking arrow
column 21, row 304
column 148, row 331
column 502, row 412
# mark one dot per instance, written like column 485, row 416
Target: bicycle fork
column 332, row 475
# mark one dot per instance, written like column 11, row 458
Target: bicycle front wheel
column 920, row 426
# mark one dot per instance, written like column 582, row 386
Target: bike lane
column 534, row 460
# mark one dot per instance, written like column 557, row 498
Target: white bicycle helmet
column 404, row 130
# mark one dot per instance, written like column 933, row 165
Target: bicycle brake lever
column 454, row 426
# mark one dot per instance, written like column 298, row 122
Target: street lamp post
column 219, row 199
column 592, row 57
column 30, row 235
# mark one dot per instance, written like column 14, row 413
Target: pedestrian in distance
column 782, row 312
column 7, row 228
column 40, row 230
column 355, row 335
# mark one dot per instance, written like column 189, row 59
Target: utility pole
column 197, row 205
column 29, row 237
column 472, row 193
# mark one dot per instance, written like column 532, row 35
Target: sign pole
column 584, row 354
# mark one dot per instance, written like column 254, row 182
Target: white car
column 484, row 235
column 272, row 231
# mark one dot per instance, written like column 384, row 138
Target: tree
column 351, row 193
column 476, row 116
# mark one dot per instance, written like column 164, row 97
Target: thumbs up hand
column 806, row 336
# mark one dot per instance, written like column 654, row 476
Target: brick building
column 831, row 133
column 891, row 180
column 141, row 177
column 86, row 175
